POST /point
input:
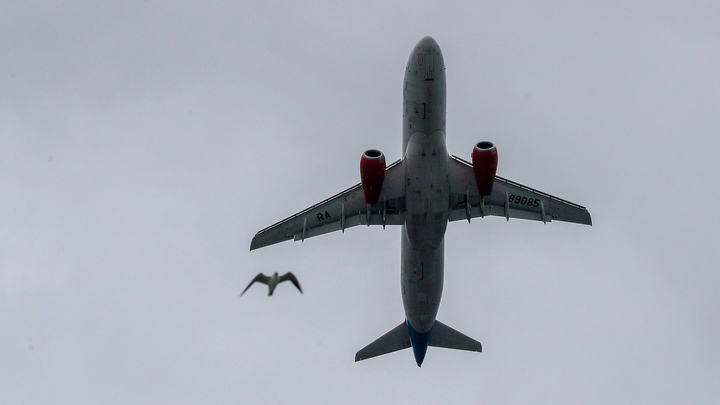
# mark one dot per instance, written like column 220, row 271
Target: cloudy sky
column 144, row 143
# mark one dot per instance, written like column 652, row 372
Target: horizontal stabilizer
column 396, row 339
column 445, row 336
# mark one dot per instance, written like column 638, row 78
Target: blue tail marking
column 420, row 342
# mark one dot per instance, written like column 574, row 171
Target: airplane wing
column 342, row 211
column 508, row 199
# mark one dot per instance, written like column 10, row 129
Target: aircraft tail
column 398, row 338
column 445, row 336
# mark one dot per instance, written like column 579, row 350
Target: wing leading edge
column 341, row 211
column 508, row 199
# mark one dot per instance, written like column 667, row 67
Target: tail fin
column 396, row 339
column 445, row 336
column 440, row 335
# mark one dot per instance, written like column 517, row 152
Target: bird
column 273, row 281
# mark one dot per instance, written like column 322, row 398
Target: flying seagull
column 273, row 281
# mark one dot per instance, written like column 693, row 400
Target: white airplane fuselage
column 426, row 190
column 422, row 192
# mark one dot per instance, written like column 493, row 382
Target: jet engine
column 485, row 159
column 372, row 174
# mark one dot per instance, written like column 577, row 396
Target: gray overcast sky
column 145, row 142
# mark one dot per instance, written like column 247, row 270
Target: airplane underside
column 422, row 192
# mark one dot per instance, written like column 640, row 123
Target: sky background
column 144, row 143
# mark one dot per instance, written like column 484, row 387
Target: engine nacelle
column 372, row 174
column 485, row 159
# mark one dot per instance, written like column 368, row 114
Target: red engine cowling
column 372, row 174
column 485, row 159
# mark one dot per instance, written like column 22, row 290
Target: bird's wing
column 291, row 277
column 261, row 278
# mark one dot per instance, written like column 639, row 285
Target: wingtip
column 255, row 243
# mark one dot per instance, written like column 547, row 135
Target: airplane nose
column 427, row 43
column 426, row 65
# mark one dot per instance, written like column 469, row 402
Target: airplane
column 421, row 193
